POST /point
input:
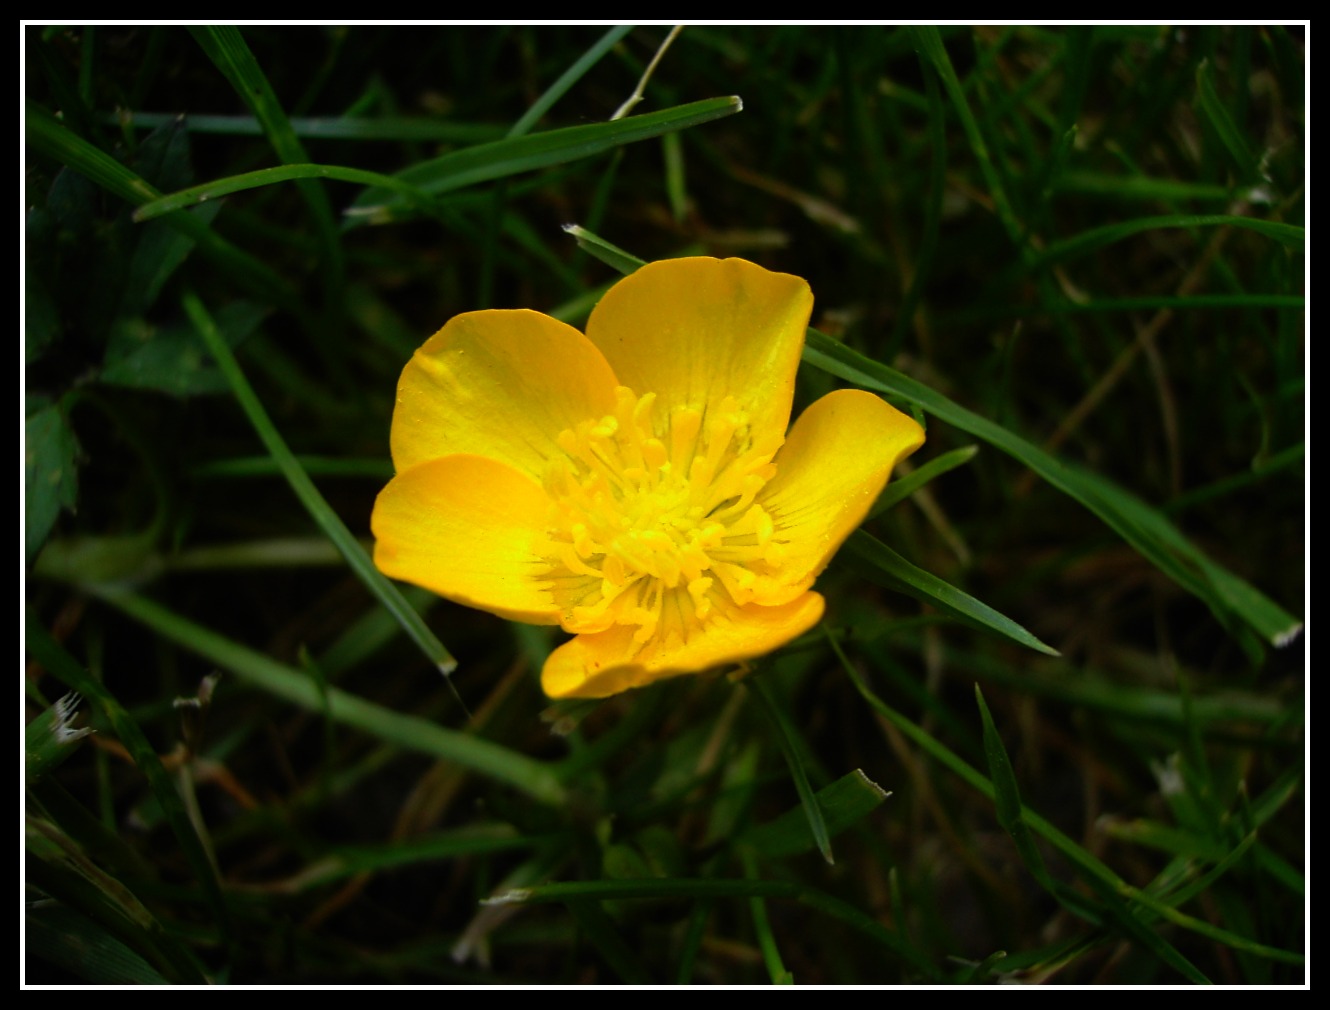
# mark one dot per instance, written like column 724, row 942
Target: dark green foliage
column 1080, row 248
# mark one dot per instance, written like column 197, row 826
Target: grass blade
column 1288, row 235
column 487, row 162
column 929, row 42
column 843, row 803
column 227, row 48
column 267, row 177
column 52, row 139
column 1212, row 107
column 319, row 509
column 567, row 79
column 528, row 776
column 790, row 748
column 64, row 668
column 1234, row 601
column 901, row 488
column 878, row 562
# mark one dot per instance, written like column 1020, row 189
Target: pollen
column 654, row 518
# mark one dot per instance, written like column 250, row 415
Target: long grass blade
column 528, row 776
column 319, row 509
column 67, row 670
column 52, row 139
column 878, row 562
column 789, row 746
column 487, row 162
column 1233, row 601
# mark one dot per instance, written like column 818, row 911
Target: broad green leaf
column 876, row 561
column 50, row 477
column 169, row 358
column 46, row 135
column 843, row 803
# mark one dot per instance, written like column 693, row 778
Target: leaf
column 1007, row 798
column 1232, row 600
column 170, row 358
column 843, row 803
column 487, row 162
column 49, row 738
column 876, row 561
column 50, row 478
column 790, row 746
column 64, row 668
column 68, row 940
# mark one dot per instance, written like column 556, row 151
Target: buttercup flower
column 635, row 485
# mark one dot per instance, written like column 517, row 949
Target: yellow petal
column 694, row 331
column 501, row 384
column 464, row 527
column 602, row 664
column 831, row 469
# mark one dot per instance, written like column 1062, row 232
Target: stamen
column 658, row 527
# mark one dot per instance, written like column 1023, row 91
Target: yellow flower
column 635, row 485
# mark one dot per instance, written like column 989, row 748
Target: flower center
column 653, row 521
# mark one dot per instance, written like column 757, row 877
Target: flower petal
column 602, row 664
column 464, row 527
column 695, row 331
column 829, row 472
column 501, row 384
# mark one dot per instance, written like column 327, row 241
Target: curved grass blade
column 533, row 778
column 1212, row 106
column 227, row 48
column 65, row 938
column 766, row 939
column 901, row 488
column 398, row 128
column 267, row 177
column 1096, row 238
column 319, row 509
column 599, row 928
column 1007, row 798
column 487, row 162
column 57, row 867
column 61, row 665
column 1232, row 600
column 53, row 140
column 1115, row 893
column 929, row 42
column 701, row 889
column 608, row 253
column 790, row 748
column 878, row 562
column 567, row 79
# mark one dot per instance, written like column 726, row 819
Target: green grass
column 1052, row 728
